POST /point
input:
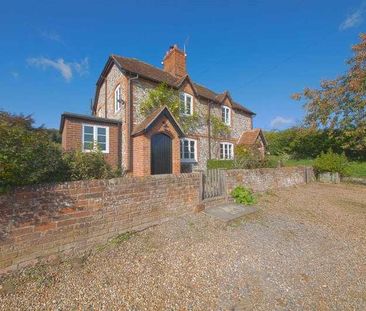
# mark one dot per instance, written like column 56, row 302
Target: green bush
column 249, row 158
column 88, row 165
column 331, row 162
column 225, row 164
column 243, row 195
column 27, row 155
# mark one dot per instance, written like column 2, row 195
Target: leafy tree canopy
column 340, row 104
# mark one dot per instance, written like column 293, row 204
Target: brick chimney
column 175, row 62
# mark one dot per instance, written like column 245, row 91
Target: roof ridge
column 160, row 75
column 145, row 63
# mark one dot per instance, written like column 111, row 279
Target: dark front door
column 161, row 154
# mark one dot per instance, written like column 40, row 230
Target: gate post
column 223, row 183
column 201, row 187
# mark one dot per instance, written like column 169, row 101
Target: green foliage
column 27, row 155
column 218, row 127
column 54, row 135
column 87, row 165
column 163, row 95
column 243, row 195
column 331, row 162
column 249, row 158
column 357, row 169
column 339, row 105
column 225, row 164
column 301, row 143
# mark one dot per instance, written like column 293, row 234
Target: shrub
column 91, row 165
column 249, row 158
column 331, row 162
column 27, row 155
column 225, row 164
column 243, row 195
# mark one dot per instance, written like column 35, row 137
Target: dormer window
column 186, row 104
column 117, row 99
column 226, row 116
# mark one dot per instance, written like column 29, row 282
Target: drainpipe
column 120, row 145
column 130, row 120
column 209, row 130
column 105, row 98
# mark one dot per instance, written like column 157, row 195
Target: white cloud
column 15, row 74
column 52, row 36
column 354, row 19
column 64, row 68
column 82, row 68
column 279, row 122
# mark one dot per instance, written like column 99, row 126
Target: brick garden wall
column 267, row 178
column 46, row 221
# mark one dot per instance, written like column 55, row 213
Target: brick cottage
column 157, row 144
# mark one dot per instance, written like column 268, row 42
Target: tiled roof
column 250, row 137
column 156, row 74
column 86, row 118
column 154, row 116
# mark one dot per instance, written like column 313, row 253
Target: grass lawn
column 356, row 169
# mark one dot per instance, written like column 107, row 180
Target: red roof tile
column 156, row 74
column 250, row 137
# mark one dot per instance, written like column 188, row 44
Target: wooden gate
column 212, row 183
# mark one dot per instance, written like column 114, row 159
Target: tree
column 339, row 106
column 163, row 95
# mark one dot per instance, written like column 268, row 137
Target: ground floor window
column 226, row 151
column 95, row 136
column 188, row 150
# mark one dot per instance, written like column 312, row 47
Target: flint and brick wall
column 44, row 222
column 264, row 179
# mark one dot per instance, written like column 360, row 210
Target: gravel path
column 304, row 250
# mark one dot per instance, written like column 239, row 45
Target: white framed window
column 117, row 99
column 226, row 115
column 95, row 136
column 186, row 104
column 226, row 151
column 188, row 150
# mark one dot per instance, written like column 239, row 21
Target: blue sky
column 52, row 52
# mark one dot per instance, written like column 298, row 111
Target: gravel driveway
column 304, row 250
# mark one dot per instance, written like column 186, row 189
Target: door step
column 230, row 211
column 211, row 202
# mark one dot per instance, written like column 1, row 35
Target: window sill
column 188, row 161
column 88, row 151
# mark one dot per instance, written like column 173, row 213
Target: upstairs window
column 188, row 150
column 226, row 151
column 95, row 136
column 226, row 116
column 186, row 104
column 117, row 99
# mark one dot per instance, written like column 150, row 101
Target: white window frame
column 225, row 145
column 185, row 160
column 186, row 95
column 95, row 135
column 227, row 114
column 117, row 99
